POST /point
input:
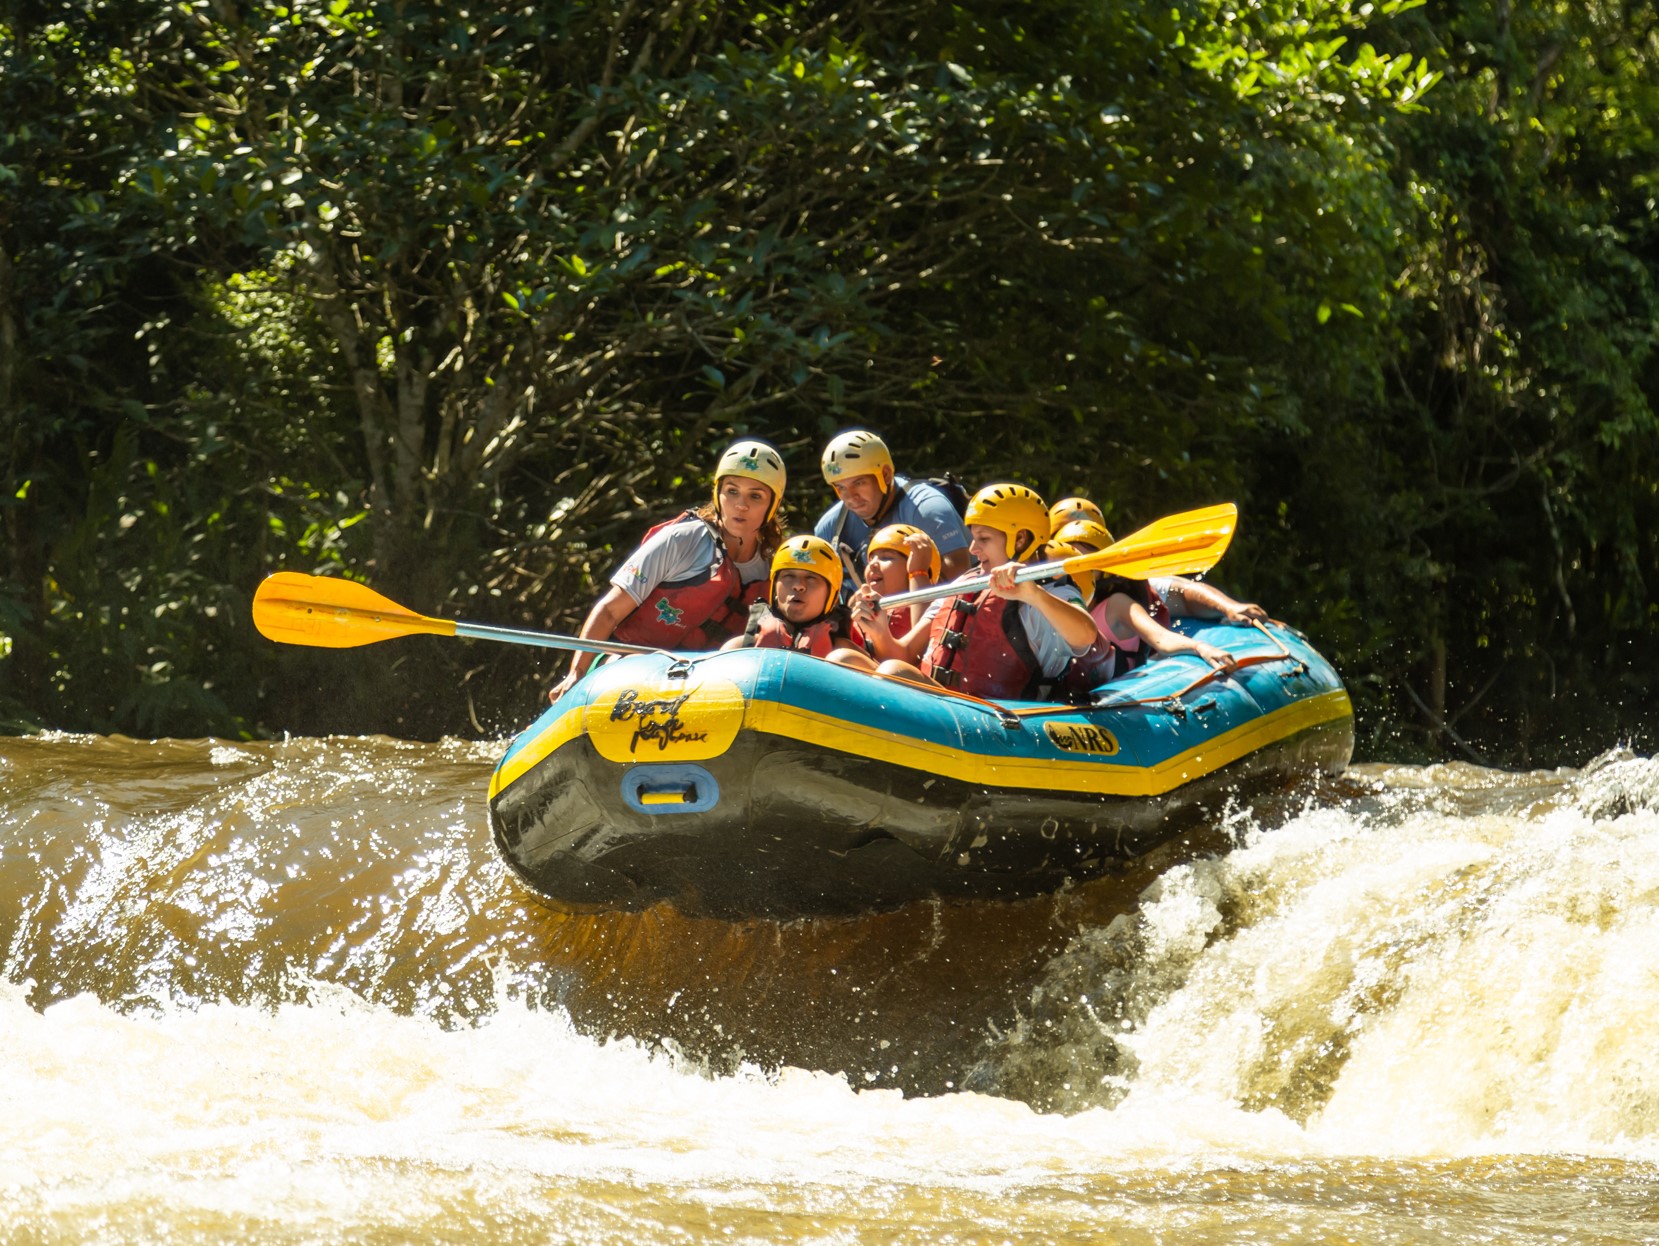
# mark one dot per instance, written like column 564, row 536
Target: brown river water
column 285, row 992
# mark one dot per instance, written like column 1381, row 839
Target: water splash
column 1443, row 966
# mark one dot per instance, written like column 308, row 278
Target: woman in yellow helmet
column 999, row 642
column 691, row 582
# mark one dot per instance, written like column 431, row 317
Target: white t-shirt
column 681, row 551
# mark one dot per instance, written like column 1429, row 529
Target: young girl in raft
column 1182, row 598
column 1129, row 613
column 803, row 610
column 901, row 557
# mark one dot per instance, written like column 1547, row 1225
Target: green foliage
column 462, row 299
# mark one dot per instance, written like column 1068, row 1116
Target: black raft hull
column 768, row 784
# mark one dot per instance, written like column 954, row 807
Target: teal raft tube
column 762, row 783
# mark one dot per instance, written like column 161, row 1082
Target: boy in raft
column 803, row 610
column 1131, row 614
column 1004, row 640
column 691, row 582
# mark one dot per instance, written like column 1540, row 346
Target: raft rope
column 1011, row 718
column 1173, row 699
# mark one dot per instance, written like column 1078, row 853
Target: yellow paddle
column 1184, row 544
column 332, row 613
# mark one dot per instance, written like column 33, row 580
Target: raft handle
column 670, row 788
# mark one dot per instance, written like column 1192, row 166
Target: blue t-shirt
column 920, row 505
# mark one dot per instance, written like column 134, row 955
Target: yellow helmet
column 856, row 453
column 1010, row 509
column 1090, row 532
column 1080, row 536
column 806, row 553
column 753, row 460
column 1067, row 509
column 892, row 537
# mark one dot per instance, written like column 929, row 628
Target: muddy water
column 284, row 992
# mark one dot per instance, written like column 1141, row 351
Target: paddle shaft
column 1184, row 544
column 546, row 640
column 972, row 584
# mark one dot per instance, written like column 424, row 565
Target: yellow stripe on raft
column 1037, row 773
column 1052, row 774
column 562, row 729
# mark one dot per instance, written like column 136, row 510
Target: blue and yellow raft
column 760, row 783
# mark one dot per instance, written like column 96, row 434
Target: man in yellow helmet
column 869, row 497
column 1002, row 641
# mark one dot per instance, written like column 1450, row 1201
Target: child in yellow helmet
column 1001, row 641
column 1131, row 614
column 902, row 557
column 1181, row 597
column 803, row 610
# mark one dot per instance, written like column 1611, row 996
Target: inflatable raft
column 761, row 783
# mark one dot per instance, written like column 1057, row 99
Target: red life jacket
column 1092, row 669
column 773, row 632
column 701, row 611
column 978, row 645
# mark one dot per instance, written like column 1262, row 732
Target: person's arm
column 874, row 627
column 938, row 518
column 671, row 554
column 913, row 644
column 1162, row 639
column 1205, row 601
column 919, row 550
column 601, row 623
column 1074, row 624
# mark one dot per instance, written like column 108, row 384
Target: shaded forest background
column 459, row 301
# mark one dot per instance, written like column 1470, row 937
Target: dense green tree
column 459, row 300
column 1493, row 555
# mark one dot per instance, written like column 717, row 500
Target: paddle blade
column 1186, row 544
column 331, row 613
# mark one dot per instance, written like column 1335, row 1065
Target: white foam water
column 1417, row 1015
